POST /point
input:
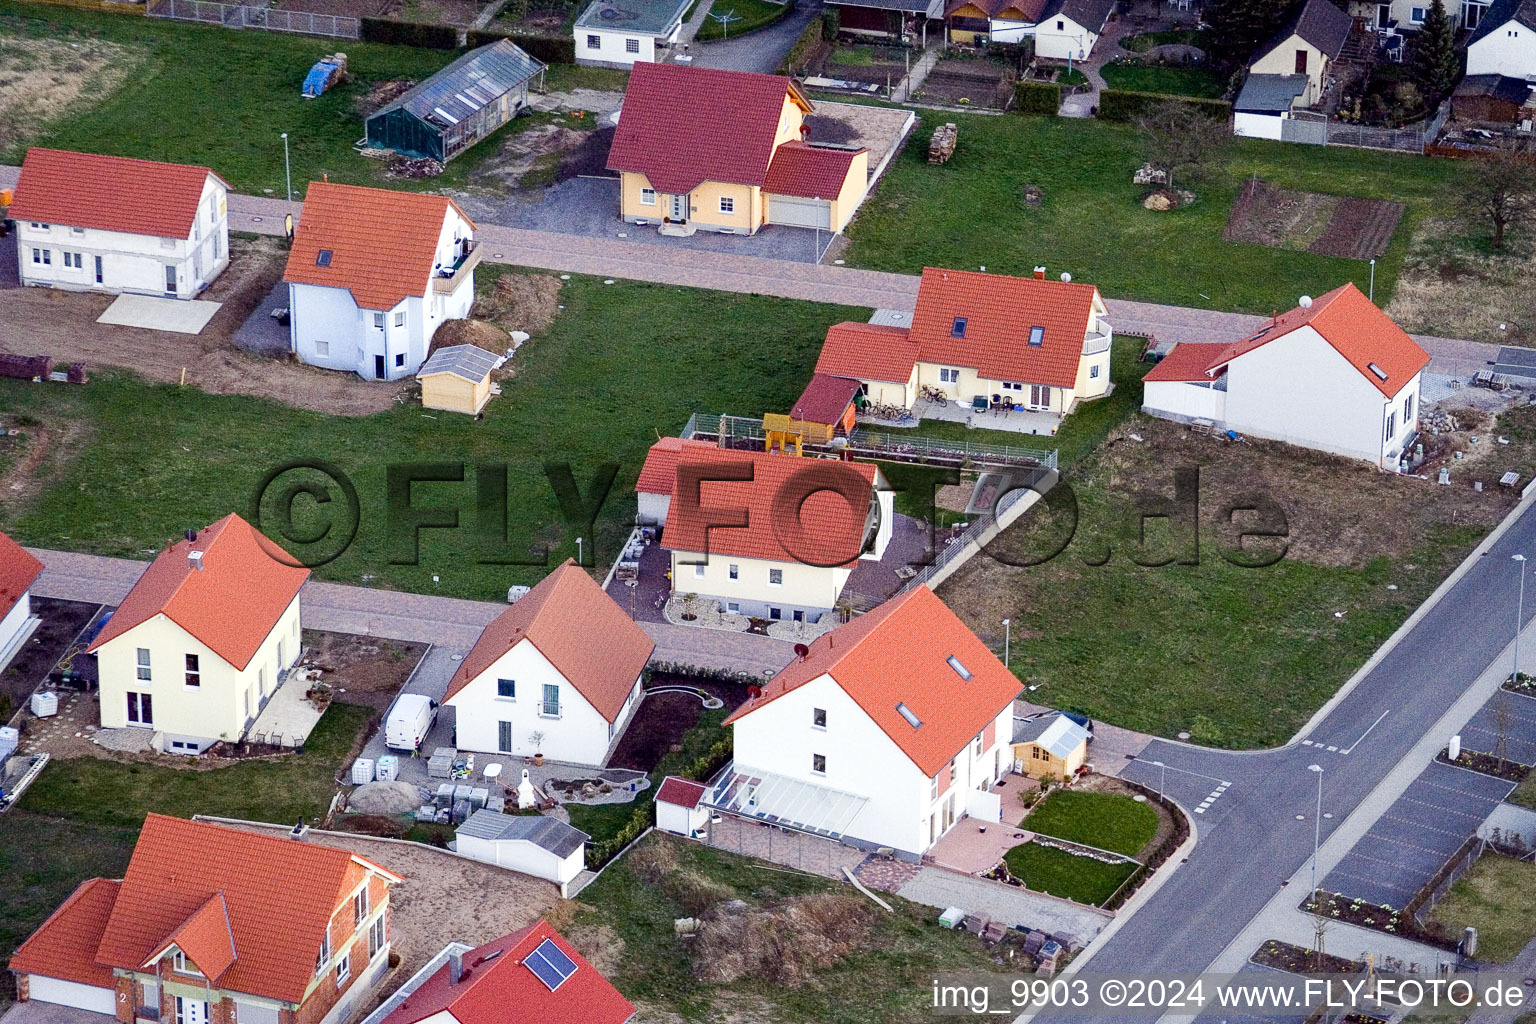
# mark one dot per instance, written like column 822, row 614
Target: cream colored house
column 728, row 151
column 1049, row 747
column 203, row 640
column 458, row 379
column 1308, row 42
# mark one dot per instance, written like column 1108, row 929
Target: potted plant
column 537, row 739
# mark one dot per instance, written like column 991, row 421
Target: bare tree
column 1178, row 136
column 1501, row 189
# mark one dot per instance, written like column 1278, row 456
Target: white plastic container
column 387, row 768
column 362, row 771
column 10, row 739
column 45, row 705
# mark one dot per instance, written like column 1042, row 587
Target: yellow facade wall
column 703, row 204
column 852, row 195
column 453, row 393
column 1039, row 763
column 1282, row 61
column 812, row 586
column 886, row 392
column 962, row 36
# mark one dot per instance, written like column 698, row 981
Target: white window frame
column 631, row 46
column 343, row 968
column 142, row 662
column 362, row 906
column 775, row 577
column 822, row 713
column 325, row 951
column 323, row 348
column 698, row 570
column 728, row 204
column 181, row 965
column 378, row 937
column 378, row 321
column 399, row 318
column 949, row 375
column 647, row 197
column 511, row 697
column 818, row 759
column 1093, row 371
column 594, row 41
column 735, row 571
column 194, row 672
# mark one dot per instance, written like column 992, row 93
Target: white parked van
column 408, row 721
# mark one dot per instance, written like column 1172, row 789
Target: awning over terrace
column 779, row 800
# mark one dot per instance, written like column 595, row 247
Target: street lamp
column 287, row 171
column 1163, row 785
column 1372, row 295
column 1007, row 636
column 1317, row 828
column 579, row 559
column 1519, row 616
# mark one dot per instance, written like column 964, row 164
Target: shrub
column 787, row 946
column 1123, row 105
column 653, row 862
column 409, row 33
column 805, row 44
column 694, row 892
column 1036, row 98
column 831, row 24
column 602, row 852
column 549, row 49
column 710, row 761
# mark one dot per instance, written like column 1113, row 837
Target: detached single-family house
column 1309, row 40
column 1335, row 374
column 892, row 728
column 532, row 976
column 109, row 224
column 557, row 673
column 888, row 19
column 1504, row 42
column 534, row 844
column 979, row 22
column 729, row 151
column 18, row 571
column 680, row 807
column 658, row 475
column 458, row 106
column 1264, row 102
column 1070, row 29
column 625, row 32
column 458, row 379
column 203, row 640
column 212, row 924
column 371, row 275
column 1023, row 341
column 1049, row 747
column 768, row 534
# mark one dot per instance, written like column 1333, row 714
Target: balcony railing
column 549, row 709
column 448, row 278
column 1093, row 344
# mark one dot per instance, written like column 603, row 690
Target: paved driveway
column 758, row 51
column 1016, row 907
column 260, row 334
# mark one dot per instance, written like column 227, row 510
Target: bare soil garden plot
column 658, row 727
column 363, row 669
column 976, row 83
column 41, row 79
column 347, row 8
column 1347, row 226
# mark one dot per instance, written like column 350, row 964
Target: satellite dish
column 1066, row 278
column 801, row 650
column 1306, row 302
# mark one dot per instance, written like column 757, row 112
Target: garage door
column 800, row 213
column 70, row 993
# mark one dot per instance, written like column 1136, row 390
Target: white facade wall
column 614, row 47
column 47, row 254
column 682, row 821
column 14, row 622
column 1010, row 31
column 521, row 855
column 579, row 734
column 811, row 590
column 653, row 507
column 901, row 812
column 1508, row 50
column 1257, row 126
column 1061, row 38
column 1183, row 401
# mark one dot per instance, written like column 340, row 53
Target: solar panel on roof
column 550, row 965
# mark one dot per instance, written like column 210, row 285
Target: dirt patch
column 40, row 79
column 381, row 95
column 363, row 669
column 1359, row 228
column 1450, row 287
column 590, row 157
column 534, row 153
column 346, row 8
column 458, row 13
column 968, row 83
column 480, row 333
column 522, row 302
column 33, row 445
column 61, row 622
column 1347, row 226
column 663, row 718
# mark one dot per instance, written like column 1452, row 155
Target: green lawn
column 1498, row 897
column 1144, row 41
column 750, row 16
column 1525, row 793
column 1071, row 77
column 622, row 365
column 1107, row 821
column 1063, row 874
column 1172, row 81
column 106, row 794
column 1092, row 224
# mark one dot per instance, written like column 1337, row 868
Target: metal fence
column 1323, row 132
column 213, row 12
column 976, row 536
column 1423, row 903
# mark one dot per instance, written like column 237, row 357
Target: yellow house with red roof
column 729, row 151
column 203, row 640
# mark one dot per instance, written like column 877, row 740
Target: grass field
column 1525, row 793
column 101, row 792
column 750, row 16
column 1092, row 224
column 1063, row 874
column 1498, row 897
column 621, row 365
column 1108, row 821
column 1171, row 81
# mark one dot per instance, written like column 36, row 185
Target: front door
column 679, row 213
column 141, row 711
column 1039, row 396
column 378, row 367
column 170, row 280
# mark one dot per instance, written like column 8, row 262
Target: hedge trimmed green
column 1036, row 98
column 409, row 33
column 806, row 42
column 1123, row 105
column 549, row 49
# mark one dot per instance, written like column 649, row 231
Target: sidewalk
column 915, row 78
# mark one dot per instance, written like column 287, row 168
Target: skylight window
column 960, row 670
column 1037, row 336
column 1378, row 371
column 958, row 329
column 906, row 712
column 550, row 965
column 323, row 258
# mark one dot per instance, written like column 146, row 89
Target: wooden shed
column 458, row 379
column 1049, row 747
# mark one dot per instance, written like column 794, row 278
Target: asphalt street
column 1255, row 811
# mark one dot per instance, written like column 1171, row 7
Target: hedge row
column 1123, row 105
column 644, row 815
column 549, row 49
column 409, row 33
column 1036, row 98
column 805, row 44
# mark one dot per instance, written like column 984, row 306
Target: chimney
column 195, row 560
column 299, row 832
column 455, row 967
column 1039, row 273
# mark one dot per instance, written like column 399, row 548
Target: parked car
column 409, row 720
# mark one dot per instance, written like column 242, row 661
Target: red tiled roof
column 828, row 527
column 204, row 938
column 824, row 399
column 999, row 312
column 868, row 352
column 681, row 125
column 897, row 654
column 496, row 987
column 681, row 792
column 383, row 243
column 280, row 895
column 18, row 571
column 231, row 604
column 578, row 628
column 1364, row 335
column 814, row 172
column 109, row 193
column 64, row 946
column 659, row 473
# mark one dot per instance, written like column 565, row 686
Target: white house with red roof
column 18, row 571
column 203, row 640
column 1335, row 374
column 531, row 976
column 766, row 534
column 984, row 341
column 372, row 275
column 110, row 224
column 893, row 727
column 557, row 673
column 213, row 925
column 728, row 151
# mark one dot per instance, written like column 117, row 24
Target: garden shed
column 536, row 845
column 457, row 107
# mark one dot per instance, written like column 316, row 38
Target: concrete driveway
column 758, row 51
